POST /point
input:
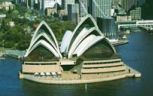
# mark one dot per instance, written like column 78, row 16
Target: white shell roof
column 49, row 37
column 65, row 41
column 86, row 44
column 46, row 45
column 77, row 42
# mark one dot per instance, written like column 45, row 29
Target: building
column 89, row 57
column 115, row 3
column 136, row 13
column 101, row 8
column 108, row 27
column 50, row 11
column 123, row 18
column 66, row 3
column 97, row 8
column 73, row 12
column 83, row 7
column 41, row 5
column 19, row 1
column 7, row 5
column 128, row 4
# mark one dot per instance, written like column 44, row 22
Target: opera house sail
column 83, row 56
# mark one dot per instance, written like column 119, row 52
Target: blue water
column 137, row 54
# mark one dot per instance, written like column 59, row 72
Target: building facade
column 128, row 4
column 83, row 7
column 40, row 5
column 82, row 64
column 108, row 27
column 65, row 3
column 101, row 8
column 136, row 13
column 116, row 2
column 73, row 12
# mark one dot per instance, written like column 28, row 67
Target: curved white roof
column 36, row 33
column 84, row 21
column 87, row 43
column 48, row 40
column 81, row 37
column 48, row 37
column 65, row 41
column 83, row 34
column 46, row 45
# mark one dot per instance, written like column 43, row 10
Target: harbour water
column 138, row 54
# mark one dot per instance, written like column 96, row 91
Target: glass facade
column 101, row 50
column 101, row 8
column 66, row 3
column 108, row 27
column 136, row 13
column 40, row 54
column 83, row 7
column 73, row 12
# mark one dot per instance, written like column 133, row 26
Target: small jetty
column 133, row 72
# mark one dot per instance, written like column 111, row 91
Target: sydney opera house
column 83, row 56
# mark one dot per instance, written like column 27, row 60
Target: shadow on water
column 35, row 89
column 113, row 88
column 137, row 54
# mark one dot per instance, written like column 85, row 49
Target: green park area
column 17, row 28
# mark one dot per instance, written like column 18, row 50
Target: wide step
column 103, row 70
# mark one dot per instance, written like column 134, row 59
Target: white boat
column 124, row 37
